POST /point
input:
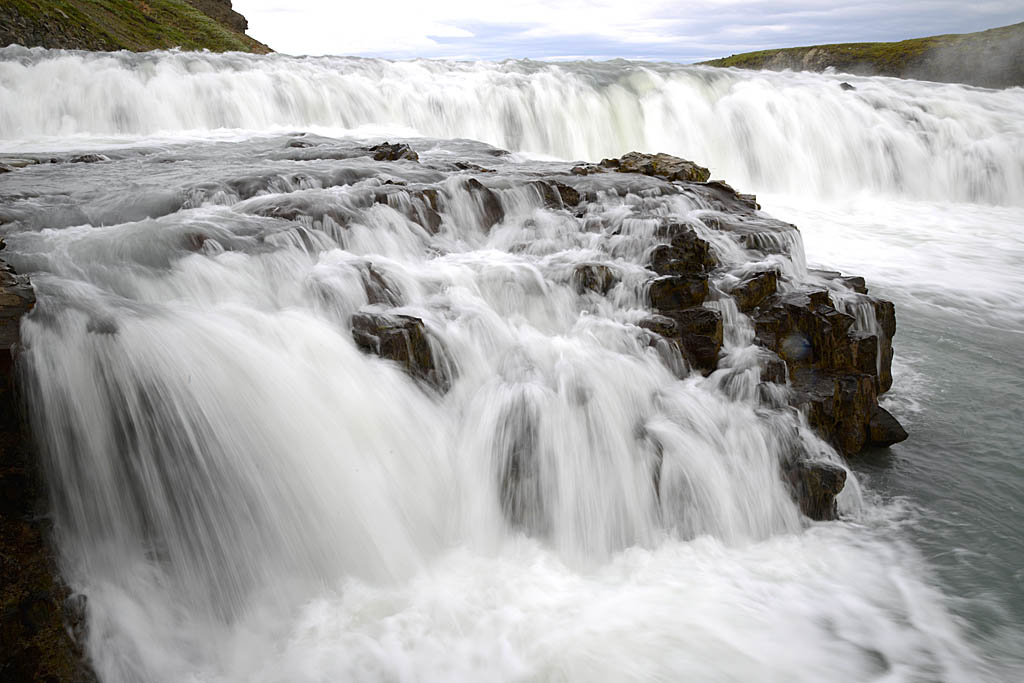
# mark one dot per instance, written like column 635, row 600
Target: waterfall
column 244, row 493
column 769, row 131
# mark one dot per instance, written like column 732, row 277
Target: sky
column 665, row 30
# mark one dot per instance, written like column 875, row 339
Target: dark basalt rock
column 419, row 206
column 846, row 86
column 586, row 169
column 488, row 203
column 804, row 328
column 838, row 406
column 685, row 254
column 659, row 324
column 556, row 195
column 856, row 283
column 677, row 292
column 755, row 289
column 884, row 430
column 728, row 197
column 815, row 485
column 593, row 277
column 88, row 159
column 885, row 313
column 398, row 151
column 403, row 339
column 378, row 289
column 521, row 489
column 773, row 368
column 837, row 372
column 699, row 332
column 661, row 165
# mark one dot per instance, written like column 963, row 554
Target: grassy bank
column 118, row 25
column 992, row 58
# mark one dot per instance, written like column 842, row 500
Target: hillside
column 992, row 58
column 126, row 25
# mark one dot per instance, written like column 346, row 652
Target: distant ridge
column 992, row 58
column 135, row 25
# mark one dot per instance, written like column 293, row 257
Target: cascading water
column 245, row 495
column 780, row 132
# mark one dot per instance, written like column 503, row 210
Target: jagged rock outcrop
column 38, row 615
column 835, row 369
column 815, row 485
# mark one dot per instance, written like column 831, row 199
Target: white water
column 765, row 131
column 247, row 497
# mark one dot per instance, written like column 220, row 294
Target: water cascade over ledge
column 314, row 407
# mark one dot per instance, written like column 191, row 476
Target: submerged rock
column 593, row 277
column 488, row 203
column 403, row 339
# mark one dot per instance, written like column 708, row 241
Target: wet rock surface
column 662, row 165
column 835, row 367
column 815, row 485
column 402, row 339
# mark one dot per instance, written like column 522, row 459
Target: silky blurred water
column 245, row 496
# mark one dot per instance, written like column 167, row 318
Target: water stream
column 244, row 495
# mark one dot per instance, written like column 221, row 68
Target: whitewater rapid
column 243, row 495
column 766, row 131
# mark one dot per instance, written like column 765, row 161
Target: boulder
column 488, row 203
column 854, row 282
column 685, row 254
column 398, row 151
column 378, row 289
column 815, row 485
column 699, row 332
column 660, row 324
column 884, row 430
column 677, row 292
column 88, row 159
column 403, row 339
column 661, row 165
column 556, row 195
column 753, row 290
column 593, row 277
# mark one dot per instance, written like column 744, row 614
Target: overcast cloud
column 680, row 31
